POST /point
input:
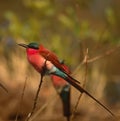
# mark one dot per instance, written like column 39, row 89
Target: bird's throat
column 31, row 51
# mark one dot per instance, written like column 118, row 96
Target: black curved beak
column 23, row 45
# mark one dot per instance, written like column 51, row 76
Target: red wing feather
column 48, row 55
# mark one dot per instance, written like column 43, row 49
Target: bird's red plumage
column 59, row 82
column 60, row 85
column 37, row 57
column 48, row 55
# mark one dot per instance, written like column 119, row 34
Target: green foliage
column 58, row 24
column 110, row 17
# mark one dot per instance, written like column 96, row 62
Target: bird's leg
column 44, row 68
column 38, row 91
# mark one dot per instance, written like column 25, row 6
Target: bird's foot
column 44, row 68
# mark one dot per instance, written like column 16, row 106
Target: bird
column 63, row 89
column 47, row 63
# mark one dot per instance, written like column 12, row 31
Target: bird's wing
column 50, row 56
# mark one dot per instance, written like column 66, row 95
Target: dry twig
column 86, row 61
column 84, row 80
column 107, row 53
column 1, row 85
column 43, row 108
column 37, row 93
column 21, row 99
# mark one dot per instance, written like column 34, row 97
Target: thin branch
column 44, row 106
column 86, row 61
column 84, row 80
column 21, row 99
column 38, row 91
column 107, row 53
column 35, row 100
column 1, row 85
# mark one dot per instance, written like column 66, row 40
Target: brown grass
column 49, row 106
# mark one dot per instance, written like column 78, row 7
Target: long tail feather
column 78, row 87
column 74, row 83
column 72, row 78
column 65, row 97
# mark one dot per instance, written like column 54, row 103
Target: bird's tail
column 75, row 84
column 82, row 90
column 65, row 97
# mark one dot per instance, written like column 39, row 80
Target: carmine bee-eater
column 63, row 89
column 44, row 61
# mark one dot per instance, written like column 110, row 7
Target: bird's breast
column 38, row 62
column 58, row 82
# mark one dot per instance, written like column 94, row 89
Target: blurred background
column 68, row 28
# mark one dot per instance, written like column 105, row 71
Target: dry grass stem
column 84, row 80
column 35, row 115
column 21, row 99
column 3, row 87
column 35, row 100
column 107, row 53
column 37, row 93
